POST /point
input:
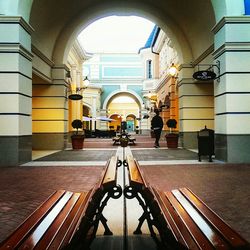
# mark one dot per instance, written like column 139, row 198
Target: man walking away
column 157, row 125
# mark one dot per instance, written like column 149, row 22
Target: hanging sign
column 204, row 75
column 75, row 97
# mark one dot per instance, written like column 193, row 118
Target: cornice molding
column 16, row 48
column 80, row 52
column 231, row 47
column 203, row 56
column 230, row 20
column 61, row 66
column 162, row 81
column 17, row 19
column 41, row 75
column 40, row 55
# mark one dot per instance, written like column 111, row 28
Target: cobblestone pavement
column 79, row 155
column 164, row 154
column 23, row 189
column 223, row 187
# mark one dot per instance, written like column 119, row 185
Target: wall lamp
column 86, row 83
column 173, row 71
column 150, row 96
column 74, row 90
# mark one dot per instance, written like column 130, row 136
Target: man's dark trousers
column 157, row 133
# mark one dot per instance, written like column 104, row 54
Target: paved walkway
column 224, row 187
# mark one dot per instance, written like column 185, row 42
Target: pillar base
column 188, row 140
column 15, row 150
column 232, row 148
column 49, row 141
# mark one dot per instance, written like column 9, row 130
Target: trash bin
column 205, row 143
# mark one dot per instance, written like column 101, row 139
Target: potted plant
column 124, row 141
column 77, row 139
column 172, row 138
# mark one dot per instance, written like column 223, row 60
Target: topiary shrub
column 77, row 124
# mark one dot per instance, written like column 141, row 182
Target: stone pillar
column 50, row 112
column 196, row 107
column 15, row 91
column 103, row 125
column 232, row 92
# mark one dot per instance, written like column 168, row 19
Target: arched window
column 149, row 69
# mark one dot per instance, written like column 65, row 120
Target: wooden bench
column 116, row 140
column 67, row 220
column 131, row 140
column 182, row 219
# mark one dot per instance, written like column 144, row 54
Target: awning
column 86, row 119
column 104, row 118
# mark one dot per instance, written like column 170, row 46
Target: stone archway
column 138, row 99
column 57, row 26
column 131, row 122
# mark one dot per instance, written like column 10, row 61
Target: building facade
column 35, row 47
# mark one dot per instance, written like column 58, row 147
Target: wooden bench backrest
column 195, row 225
column 52, row 224
column 109, row 173
column 135, row 175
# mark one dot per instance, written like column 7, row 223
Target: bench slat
column 15, row 239
column 76, row 213
column 193, row 229
column 110, row 174
column 52, row 232
column 53, row 238
column 224, row 229
column 206, row 228
column 40, row 230
column 174, row 222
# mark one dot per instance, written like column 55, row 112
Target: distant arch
column 117, row 93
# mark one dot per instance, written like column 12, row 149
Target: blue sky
column 116, row 34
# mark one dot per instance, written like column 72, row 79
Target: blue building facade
column 116, row 73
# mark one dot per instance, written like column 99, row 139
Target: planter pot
column 124, row 143
column 77, row 141
column 172, row 140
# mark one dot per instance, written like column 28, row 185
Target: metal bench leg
column 130, row 193
column 105, row 225
column 115, row 192
column 141, row 220
column 146, row 216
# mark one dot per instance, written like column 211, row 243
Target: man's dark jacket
column 157, row 122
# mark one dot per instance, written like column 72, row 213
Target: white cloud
column 116, row 34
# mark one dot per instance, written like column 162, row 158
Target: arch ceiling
column 57, row 24
column 116, row 94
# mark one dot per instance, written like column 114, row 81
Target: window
column 247, row 7
column 149, row 69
